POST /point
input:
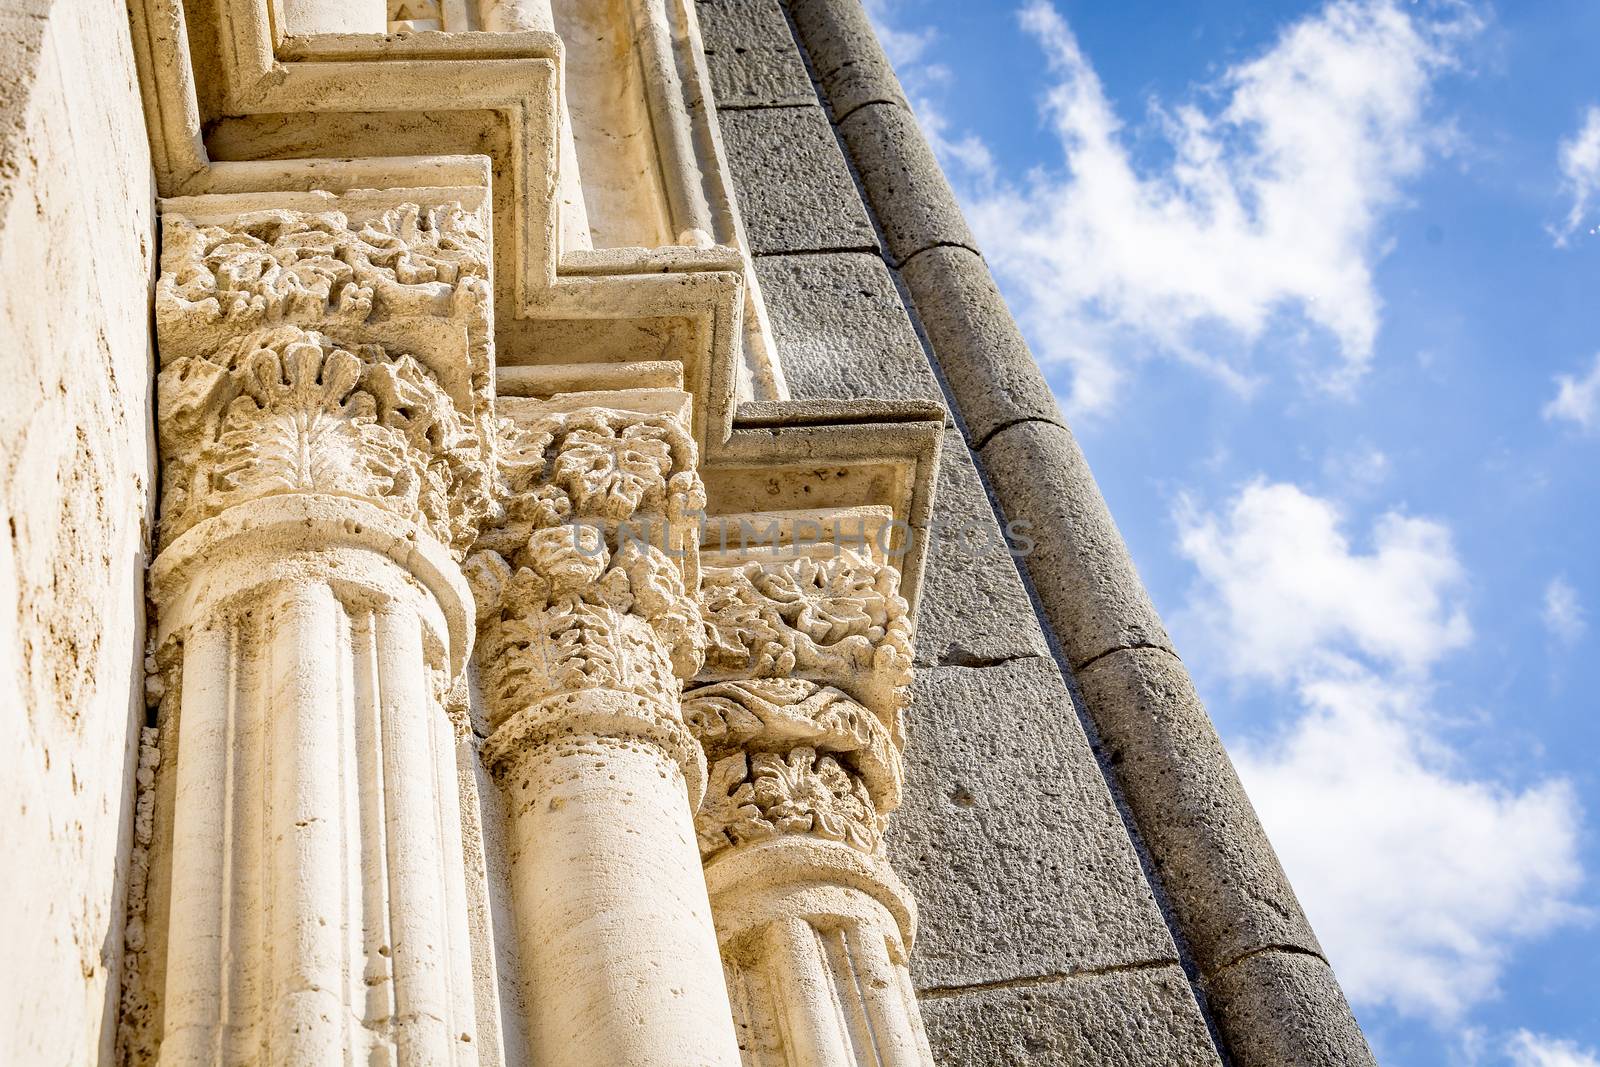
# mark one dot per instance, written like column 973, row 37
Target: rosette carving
column 289, row 410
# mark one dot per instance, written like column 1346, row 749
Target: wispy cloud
column 1577, row 400
column 1419, row 875
column 1579, row 159
column 1563, row 614
column 1268, row 214
column 1537, row 1050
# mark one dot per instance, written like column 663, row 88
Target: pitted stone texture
column 1138, row 1018
column 794, row 188
column 845, row 54
column 974, row 608
column 1285, row 1009
column 903, row 181
column 1079, row 563
column 985, row 360
column 77, row 253
column 841, row 329
column 1219, row 871
column 1007, row 837
column 752, row 56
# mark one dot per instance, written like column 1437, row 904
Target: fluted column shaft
column 318, row 888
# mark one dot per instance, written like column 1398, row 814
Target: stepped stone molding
column 238, row 92
column 416, row 413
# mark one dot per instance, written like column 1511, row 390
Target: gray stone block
column 1285, row 1009
column 753, row 58
column 841, row 330
column 795, row 191
column 975, row 609
column 1138, row 1018
column 1079, row 563
column 907, row 189
column 845, row 53
column 1007, row 836
column 1222, row 879
column 991, row 373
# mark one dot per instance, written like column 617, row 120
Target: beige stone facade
column 536, row 542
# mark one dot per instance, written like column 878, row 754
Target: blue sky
column 1316, row 284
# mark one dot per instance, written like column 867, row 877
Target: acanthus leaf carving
column 587, row 579
column 290, row 410
column 751, row 797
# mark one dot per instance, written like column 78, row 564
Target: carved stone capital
column 834, row 618
column 790, row 756
column 316, row 269
column 586, row 585
column 291, row 410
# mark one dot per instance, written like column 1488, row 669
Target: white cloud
column 1579, row 158
column 1577, row 399
column 1563, row 613
column 1269, row 212
column 1284, row 589
column 905, row 48
column 1419, row 876
column 1536, row 1050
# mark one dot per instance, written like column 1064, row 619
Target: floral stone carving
column 836, row 620
column 587, row 580
column 756, row 796
column 791, row 756
column 317, row 269
column 290, row 410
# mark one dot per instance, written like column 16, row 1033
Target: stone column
column 587, row 630
column 306, row 586
column 814, row 926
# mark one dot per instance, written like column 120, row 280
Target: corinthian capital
column 790, row 756
column 290, row 410
column 834, row 618
column 588, row 582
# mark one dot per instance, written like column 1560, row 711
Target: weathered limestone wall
column 76, row 254
column 1040, row 940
